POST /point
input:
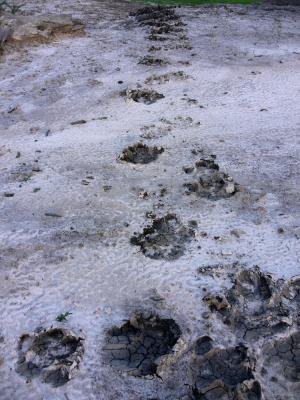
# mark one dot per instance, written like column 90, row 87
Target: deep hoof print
column 282, row 367
column 141, row 154
column 142, row 96
column 137, row 346
column 223, row 374
column 253, row 307
column 166, row 238
column 52, row 355
column 208, row 181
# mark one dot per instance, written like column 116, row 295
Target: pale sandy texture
column 245, row 72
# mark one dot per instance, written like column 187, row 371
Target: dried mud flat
column 149, row 195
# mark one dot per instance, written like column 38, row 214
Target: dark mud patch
column 225, row 374
column 152, row 61
column 141, row 154
column 282, row 366
column 154, row 13
column 162, row 23
column 157, row 38
column 136, row 346
column 165, row 238
column 152, row 49
column 208, row 181
column 145, row 96
column 160, row 79
column 52, row 355
column 253, row 307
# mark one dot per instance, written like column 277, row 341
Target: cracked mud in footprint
column 166, row 238
column 52, row 355
column 137, row 346
column 142, row 95
column 141, row 154
column 223, row 374
column 208, row 181
column 252, row 307
column 282, row 366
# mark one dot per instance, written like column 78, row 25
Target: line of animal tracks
column 149, row 202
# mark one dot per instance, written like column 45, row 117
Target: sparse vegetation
column 63, row 316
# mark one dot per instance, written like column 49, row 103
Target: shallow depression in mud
column 141, row 153
column 223, row 373
column 145, row 96
column 206, row 180
column 52, row 355
column 165, row 238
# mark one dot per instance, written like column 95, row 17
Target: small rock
column 230, row 188
column 54, row 215
column 79, row 122
column 11, row 109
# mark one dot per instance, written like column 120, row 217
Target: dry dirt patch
column 18, row 29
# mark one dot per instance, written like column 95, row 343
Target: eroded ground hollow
column 223, row 374
column 136, row 346
column 141, row 153
column 145, row 96
column 52, row 355
column 208, row 181
column 165, row 238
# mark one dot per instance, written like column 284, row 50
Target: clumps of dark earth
column 160, row 21
column 254, row 306
column 160, row 79
column 223, row 374
column 165, row 238
column 145, row 96
column 284, row 357
column 137, row 346
column 52, row 355
column 141, row 153
column 208, row 181
column 155, row 15
column 152, row 61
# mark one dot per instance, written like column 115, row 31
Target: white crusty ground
column 253, row 55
